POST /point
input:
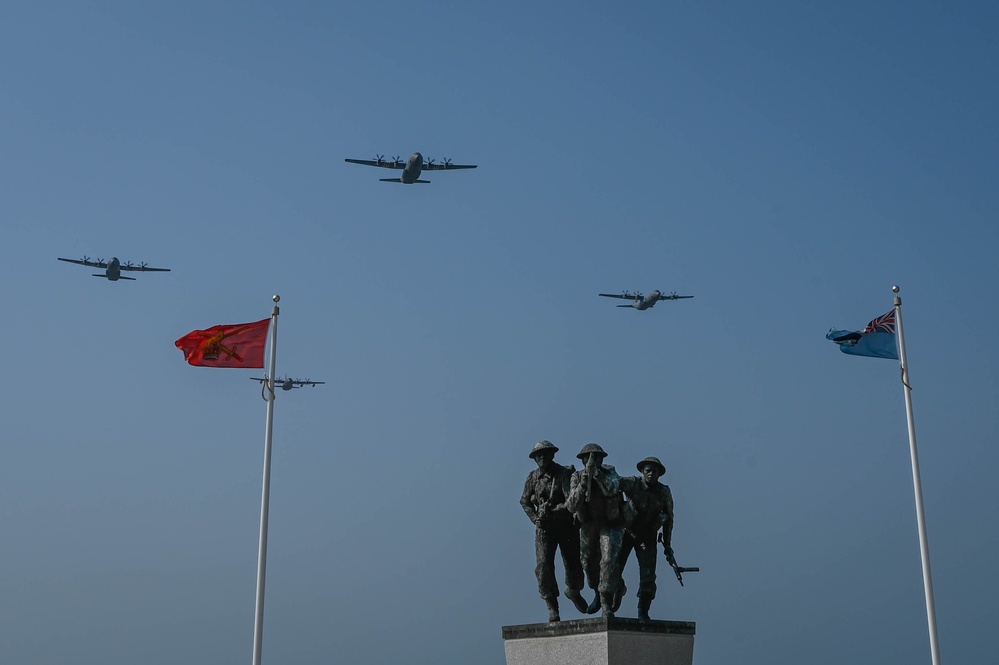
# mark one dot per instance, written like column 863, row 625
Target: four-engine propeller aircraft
column 641, row 302
column 411, row 168
column 113, row 267
column 288, row 383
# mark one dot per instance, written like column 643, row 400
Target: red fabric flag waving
column 239, row 345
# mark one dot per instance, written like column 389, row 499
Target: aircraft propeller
column 86, row 259
column 142, row 266
column 447, row 162
column 379, row 158
column 127, row 265
column 430, row 162
column 100, row 260
column 396, row 159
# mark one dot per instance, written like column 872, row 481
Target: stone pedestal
column 602, row 641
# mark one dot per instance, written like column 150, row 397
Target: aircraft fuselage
column 113, row 271
column 647, row 301
column 414, row 167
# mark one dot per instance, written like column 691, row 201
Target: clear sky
column 784, row 162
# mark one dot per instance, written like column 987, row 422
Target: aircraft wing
column 673, row 296
column 623, row 296
column 447, row 166
column 383, row 163
column 310, row 383
column 142, row 267
column 85, row 262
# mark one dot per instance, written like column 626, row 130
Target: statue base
column 601, row 641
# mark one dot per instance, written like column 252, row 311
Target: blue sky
column 786, row 164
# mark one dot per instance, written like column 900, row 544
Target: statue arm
column 527, row 501
column 564, row 482
column 574, row 499
column 667, row 534
column 627, row 484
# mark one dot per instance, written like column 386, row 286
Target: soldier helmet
column 591, row 448
column 542, row 446
column 653, row 461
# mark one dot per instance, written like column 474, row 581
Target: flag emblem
column 239, row 345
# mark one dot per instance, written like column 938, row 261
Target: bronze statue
column 653, row 507
column 596, row 500
column 544, row 501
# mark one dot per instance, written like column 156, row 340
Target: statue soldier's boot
column 607, row 602
column 552, row 604
column 619, row 595
column 594, row 606
column 577, row 600
column 643, row 609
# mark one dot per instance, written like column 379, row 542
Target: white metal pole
column 265, row 494
column 917, row 486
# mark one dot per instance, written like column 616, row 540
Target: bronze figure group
column 596, row 519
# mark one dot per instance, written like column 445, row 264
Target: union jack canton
column 884, row 323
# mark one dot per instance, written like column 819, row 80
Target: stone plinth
column 602, row 641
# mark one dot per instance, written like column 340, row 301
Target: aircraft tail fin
column 632, row 306
column 132, row 279
column 391, row 179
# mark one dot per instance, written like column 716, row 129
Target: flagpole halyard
column 258, row 619
column 917, row 486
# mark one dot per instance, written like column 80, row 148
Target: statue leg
column 544, row 550
column 643, row 609
column 569, row 546
column 627, row 544
column 610, row 570
column 647, row 584
column 589, row 546
column 552, row 604
column 589, row 554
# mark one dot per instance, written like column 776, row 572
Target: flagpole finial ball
column 895, row 288
column 278, row 298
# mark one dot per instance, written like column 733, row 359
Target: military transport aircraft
column 113, row 267
column 411, row 168
column 641, row 302
column 289, row 383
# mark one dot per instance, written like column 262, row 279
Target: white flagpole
column 917, row 486
column 265, row 494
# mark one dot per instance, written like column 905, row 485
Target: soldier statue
column 544, row 501
column 653, row 507
column 596, row 500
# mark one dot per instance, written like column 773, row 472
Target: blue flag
column 877, row 340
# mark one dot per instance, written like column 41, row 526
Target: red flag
column 239, row 345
